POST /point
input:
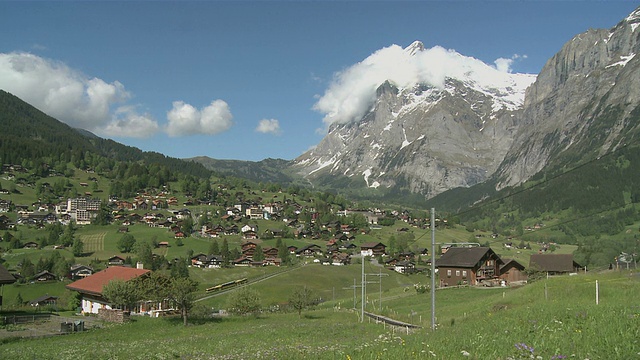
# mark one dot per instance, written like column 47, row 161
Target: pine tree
column 78, row 247
column 214, row 248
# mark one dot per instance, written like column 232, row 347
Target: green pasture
column 556, row 318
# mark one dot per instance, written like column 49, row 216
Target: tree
column 68, row 235
column 182, row 294
column 27, row 269
column 224, row 251
column 258, row 255
column 104, row 215
column 78, row 247
column 126, row 243
column 214, row 248
column 61, row 267
column 19, row 300
column 122, row 294
column 244, row 302
column 144, row 253
column 283, row 253
column 302, row 298
column 187, row 226
column 180, row 269
column 179, row 290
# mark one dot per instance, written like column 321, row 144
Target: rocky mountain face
column 424, row 139
column 583, row 105
column 428, row 139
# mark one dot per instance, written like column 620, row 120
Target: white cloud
column 269, row 126
column 504, row 64
column 184, row 119
column 352, row 91
column 68, row 95
column 128, row 123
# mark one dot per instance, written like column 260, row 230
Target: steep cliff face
column 425, row 139
column 430, row 138
column 582, row 105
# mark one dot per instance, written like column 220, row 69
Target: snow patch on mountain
column 353, row 91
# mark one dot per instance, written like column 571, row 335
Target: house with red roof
column 90, row 287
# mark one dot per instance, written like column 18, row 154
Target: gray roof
column 553, row 262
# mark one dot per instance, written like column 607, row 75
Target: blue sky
column 241, row 80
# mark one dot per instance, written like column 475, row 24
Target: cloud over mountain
column 69, row 95
column 352, row 91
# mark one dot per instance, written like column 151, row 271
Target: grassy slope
column 483, row 323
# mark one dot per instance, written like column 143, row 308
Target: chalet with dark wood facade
column 468, row 265
column 373, row 249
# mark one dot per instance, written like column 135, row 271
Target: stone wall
column 116, row 316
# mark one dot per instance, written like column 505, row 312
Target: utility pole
column 362, row 283
column 433, row 269
column 380, row 275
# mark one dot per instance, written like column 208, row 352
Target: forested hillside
column 46, row 146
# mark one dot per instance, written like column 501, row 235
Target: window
column 464, row 273
column 449, row 273
column 457, row 272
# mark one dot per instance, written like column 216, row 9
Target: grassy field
column 551, row 319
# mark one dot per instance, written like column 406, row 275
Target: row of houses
column 481, row 265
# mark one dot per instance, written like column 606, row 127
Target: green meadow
column 553, row 318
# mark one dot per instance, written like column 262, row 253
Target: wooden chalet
column 80, row 271
column 405, row 267
column 468, row 265
column 115, row 260
column 512, row 271
column 45, row 276
column 309, row 251
column 373, row 249
column 554, row 264
column 44, row 300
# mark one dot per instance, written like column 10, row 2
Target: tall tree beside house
column 234, row 254
column 214, row 248
column 178, row 290
column 122, row 294
column 283, row 254
column 27, row 269
column 224, row 251
column 61, row 267
column 104, row 215
column 182, row 294
column 145, row 254
column 258, row 255
column 187, row 226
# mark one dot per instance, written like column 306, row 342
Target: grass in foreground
column 516, row 325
